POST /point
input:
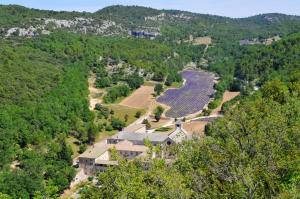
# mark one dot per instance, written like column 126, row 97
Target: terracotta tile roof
column 129, row 146
column 95, row 151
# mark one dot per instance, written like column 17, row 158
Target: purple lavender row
column 192, row 97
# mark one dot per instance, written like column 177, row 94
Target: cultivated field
column 226, row 97
column 192, row 97
column 195, row 127
column 141, row 98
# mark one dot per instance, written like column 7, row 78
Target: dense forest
column 253, row 152
column 42, row 100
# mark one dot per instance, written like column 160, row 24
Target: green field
column 120, row 112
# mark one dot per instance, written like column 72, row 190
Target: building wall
column 129, row 154
column 87, row 164
column 99, row 168
column 83, row 162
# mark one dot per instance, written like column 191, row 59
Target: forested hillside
column 43, row 99
column 172, row 24
column 43, row 84
column 45, row 61
column 253, row 152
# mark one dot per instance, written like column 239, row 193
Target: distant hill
column 173, row 25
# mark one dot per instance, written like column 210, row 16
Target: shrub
column 109, row 128
column 82, row 148
column 117, row 124
column 146, row 122
column 214, row 104
column 158, row 89
column 158, row 112
column 138, row 114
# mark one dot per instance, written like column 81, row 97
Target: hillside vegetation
column 172, row 24
column 253, row 152
column 44, row 99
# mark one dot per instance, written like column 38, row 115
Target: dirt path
column 95, row 94
column 205, row 50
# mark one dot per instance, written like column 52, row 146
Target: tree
column 65, row 152
column 262, row 135
column 158, row 112
column 158, row 181
column 92, row 132
column 134, row 81
column 103, row 111
column 82, row 148
column 114, row 93
column 158, row 89
column 126, row 117
column 275, row 90
column 173, row 76
column 117, row 124
column 146, row 122
column 112, row 112
column 98, row 107
column 103, row 82
column 138, row 114
column 5, row 196
column 169, row 81
column 158, row 76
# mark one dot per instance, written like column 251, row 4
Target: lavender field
column 192, row 97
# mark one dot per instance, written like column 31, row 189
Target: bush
column 206, row 112
column 98, row 107
column 214, row 104
column 158, row 112
column 146, row 122
column 138, row 114
column 109, row 128
column 158, row 76
column 158, row 89
column 114, row 93
column 103, row 111
column 117, row 124
column 135, row 81
column 82, row 148
column 103, row 82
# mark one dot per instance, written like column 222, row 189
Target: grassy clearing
column 105, row 134
column 175, row 85
column 120, row 112
column 163, row 129
column 150, row 83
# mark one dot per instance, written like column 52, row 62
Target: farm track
column 94, row 93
